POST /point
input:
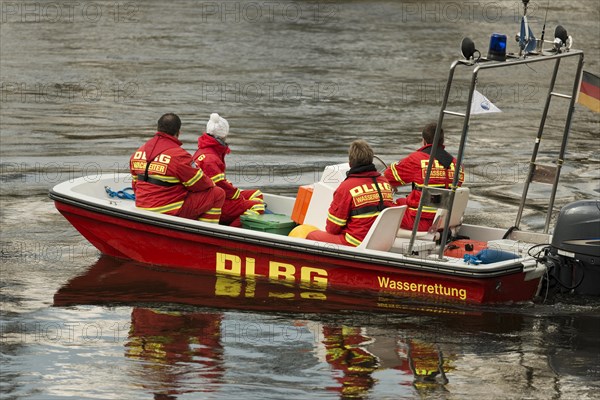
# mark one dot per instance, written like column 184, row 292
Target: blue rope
column 121, row 194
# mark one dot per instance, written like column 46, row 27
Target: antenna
column 544, row 27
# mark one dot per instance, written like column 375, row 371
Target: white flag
column 481, row 104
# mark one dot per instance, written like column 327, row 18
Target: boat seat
column 382, row 234
column 461, row 198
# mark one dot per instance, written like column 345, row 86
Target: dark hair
column 360, row 153
column 429, row 133
column 169, row 123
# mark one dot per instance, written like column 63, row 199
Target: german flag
column 589, row 91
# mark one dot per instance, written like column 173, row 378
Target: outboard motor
column 573, row 259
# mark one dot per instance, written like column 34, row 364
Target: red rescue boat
column 389, row 261
column 117, row 228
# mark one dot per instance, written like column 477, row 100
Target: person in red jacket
column 357, row 201
column 165, row 181
column 413, row 168
column 210, row 156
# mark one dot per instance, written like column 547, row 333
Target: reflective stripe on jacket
column 171, row 175
column 356, row 192
column 413, row 169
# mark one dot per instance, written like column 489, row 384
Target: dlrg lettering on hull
column 231, row 264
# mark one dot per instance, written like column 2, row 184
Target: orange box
column 301, row 205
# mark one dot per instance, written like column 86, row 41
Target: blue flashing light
column 497, row 50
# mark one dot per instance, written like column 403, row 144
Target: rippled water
column 82, row 85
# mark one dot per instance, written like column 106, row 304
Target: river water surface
column 82, row 85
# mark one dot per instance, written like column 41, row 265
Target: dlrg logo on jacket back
column 367, row 193
column 158, row 166
column 438, row 170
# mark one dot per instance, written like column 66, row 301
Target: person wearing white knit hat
column 210, row 156
column 217, row 126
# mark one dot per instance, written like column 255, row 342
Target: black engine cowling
column 574, row 256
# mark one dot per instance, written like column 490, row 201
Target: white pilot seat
column 322, row 196
column 382, row 234
column 461, row 198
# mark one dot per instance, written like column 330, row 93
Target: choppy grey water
column 82, row 85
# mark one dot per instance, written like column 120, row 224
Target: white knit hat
column 217, row 126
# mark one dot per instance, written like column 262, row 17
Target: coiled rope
column 126, row 194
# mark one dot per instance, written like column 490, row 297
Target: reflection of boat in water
column 112, row 281
column 178, row 318
column 159, row 340
column 183, row 325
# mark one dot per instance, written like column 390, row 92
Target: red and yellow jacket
column 210, row 156
column 355, row 204
column 413, row 169
column 171, row 175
